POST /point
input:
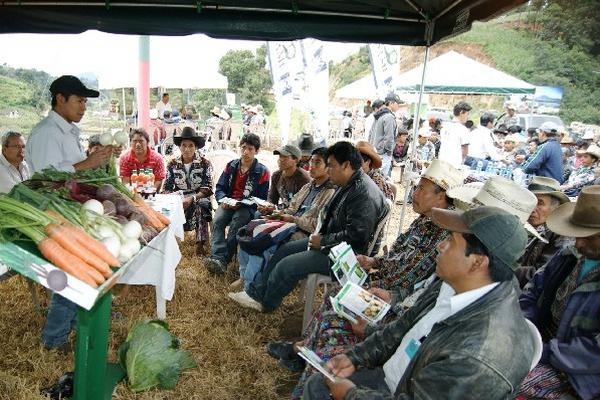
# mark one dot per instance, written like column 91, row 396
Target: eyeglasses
column 15, row 146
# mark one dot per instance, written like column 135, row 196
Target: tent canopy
column 450, row 73
column 408, row 22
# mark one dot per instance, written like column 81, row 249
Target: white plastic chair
column 537, row 342
column 308, row 288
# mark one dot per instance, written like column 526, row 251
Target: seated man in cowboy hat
column 563, row 301
column 191, row 175
column 452, row 343
column 538, row 252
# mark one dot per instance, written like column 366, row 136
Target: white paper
column 356, row 301
column 313, row 359
column 346, row 267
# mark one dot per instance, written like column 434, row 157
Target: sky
column 113, row 58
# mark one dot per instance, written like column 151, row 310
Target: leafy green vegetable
column 151, row 356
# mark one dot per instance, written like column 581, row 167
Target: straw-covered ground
column 226, row 340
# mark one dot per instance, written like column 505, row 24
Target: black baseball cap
column 69, row 84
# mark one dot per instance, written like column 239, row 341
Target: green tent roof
column 407, row 22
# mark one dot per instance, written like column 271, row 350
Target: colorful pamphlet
column 353, row 302
column 345, row 265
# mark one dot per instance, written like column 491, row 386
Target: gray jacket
column 482, row 352
column 383, row 132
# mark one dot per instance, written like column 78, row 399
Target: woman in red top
column 141, row 156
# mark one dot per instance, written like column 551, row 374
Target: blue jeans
column 289, row 265
column 251, row 266
column 386, row 165
column 59, row 321
column 223, row 248
column 316, row 389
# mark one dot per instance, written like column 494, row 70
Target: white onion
column 133, row 246
column 125, row 253
column 113, row 245
column 94, row 205
column 121, row 138
column 106, row 232
column 106, row 139
column 132, row 230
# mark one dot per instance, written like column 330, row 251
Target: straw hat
column 588, row 135
column 593, row 150
column 425, row 132
column 367, row 149
column 502, row 193
column 567, row 140
column 443, row 174
column 215, row 110
column 549, row 186
column 579, row 219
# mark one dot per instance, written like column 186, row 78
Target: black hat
column 69, row 84
column 306, row 144
column 392, row 98
column 189, row 133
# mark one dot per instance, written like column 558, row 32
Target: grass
column 226, row 340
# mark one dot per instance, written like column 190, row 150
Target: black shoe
column 215, row 266
column 296, row 364
column 63, row 389
column 281, row 350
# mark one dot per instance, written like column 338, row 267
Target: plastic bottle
column 519, row 176
column 150, row 179
column 479, row 167
column 134, row 180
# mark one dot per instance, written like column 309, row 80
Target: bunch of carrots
column 60, row 242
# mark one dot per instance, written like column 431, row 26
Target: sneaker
column 244, row 300
column 63, row 389
column 237, row 285
column 281, row 350
column 294, row 365
column 215, row 266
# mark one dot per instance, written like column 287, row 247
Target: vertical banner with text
column 385, row 61
column 283, row 63
column 317, row 88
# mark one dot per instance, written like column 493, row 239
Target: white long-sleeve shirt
column 11, row 176
column 54, row 142
column 481, row 144
column 453, row 136
column 447, row 304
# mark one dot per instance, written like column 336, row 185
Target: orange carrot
column 63, row 237
column 64, row 260
column 57, row 216
column 141, row 203
column 94, row 246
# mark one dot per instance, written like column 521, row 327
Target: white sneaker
column 244, row 300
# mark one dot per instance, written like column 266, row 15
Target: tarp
column 451, row 73
column 406, row 22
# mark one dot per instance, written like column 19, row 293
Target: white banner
column 285, row 61
column 386, row 66
column 317, row 88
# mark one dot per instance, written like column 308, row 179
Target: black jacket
column 482, row 352
column 352, row 214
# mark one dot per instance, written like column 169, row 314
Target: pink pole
column 143, row 90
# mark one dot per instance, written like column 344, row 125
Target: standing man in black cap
column 383, row 133
column 54, row 142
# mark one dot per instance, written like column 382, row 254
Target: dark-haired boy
column 242, row 179
column 455, row 136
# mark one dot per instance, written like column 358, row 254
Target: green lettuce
column 151, row 356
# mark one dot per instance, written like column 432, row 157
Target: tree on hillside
column 248, row 76
column 350, row 69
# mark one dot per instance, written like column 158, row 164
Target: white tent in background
column 450, row 73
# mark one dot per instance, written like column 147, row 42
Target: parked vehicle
column 527, row 121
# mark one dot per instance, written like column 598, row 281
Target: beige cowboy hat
column 588, row 135
column 443, row 174
column 593, row 150
column 367, row 149
column 579, row 219
column 425, row 132
column 514, row 138
column 498, row 192
column 215, row 110
column 549, row 186
column 567, row 140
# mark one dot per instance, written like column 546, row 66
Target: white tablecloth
column 155, row 264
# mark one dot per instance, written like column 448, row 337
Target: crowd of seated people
column 493, row 289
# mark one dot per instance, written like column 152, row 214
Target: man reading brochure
column 241, row 180
column 465, row 338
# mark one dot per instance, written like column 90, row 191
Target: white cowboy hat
column 502, row 193
column 216, row 110
column 588, row 135
column 443, row 174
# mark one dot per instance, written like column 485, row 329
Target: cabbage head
column 151, row 356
